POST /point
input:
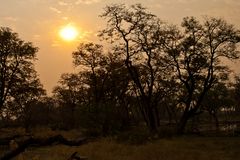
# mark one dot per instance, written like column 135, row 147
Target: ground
column 178, row 148
column 172, row 148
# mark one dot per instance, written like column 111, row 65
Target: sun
column 68, row 33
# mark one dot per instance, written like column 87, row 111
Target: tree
column 16, row 65
column 24, row 95
column 106, row 86
column 70, row 94
column 236, row 94
column 70, row 90
column 137, row 36
column 217, row 98
column 197, row 56
column 90, row 58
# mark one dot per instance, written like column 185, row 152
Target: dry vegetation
column 174, row 148
column 181, row 148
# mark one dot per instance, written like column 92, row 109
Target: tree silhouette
column 196, row 55
column 106, row 85
column 137, row 36
column 236, row 93
column 69, row 94
column 217, row 98
column 17, row 77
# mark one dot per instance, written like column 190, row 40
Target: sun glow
column 68, row 33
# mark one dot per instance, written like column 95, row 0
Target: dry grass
column 180, row 148
column 176, row 148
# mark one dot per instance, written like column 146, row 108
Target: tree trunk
column 152, row 121
column 1, row 103
column 216, row 121
column 183, row 122
column 157, row 116
column 73, row 119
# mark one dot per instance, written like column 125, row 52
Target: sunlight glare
column 68, row 33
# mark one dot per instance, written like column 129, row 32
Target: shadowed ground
column 182, row 148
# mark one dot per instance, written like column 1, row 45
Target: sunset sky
column 40, row 21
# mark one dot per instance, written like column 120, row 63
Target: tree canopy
column 19, row 82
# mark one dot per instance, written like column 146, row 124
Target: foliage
column 19, row 83
column 237, row 90
column 152, row 72
column 97, row 92
column 137, row 36
column 196, row 55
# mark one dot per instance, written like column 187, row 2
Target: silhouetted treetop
column 18, row 76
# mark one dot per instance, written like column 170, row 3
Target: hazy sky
column 39, row 21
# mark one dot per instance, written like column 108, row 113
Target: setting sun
column 68, row 33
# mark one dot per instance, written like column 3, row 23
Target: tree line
column 149, row 73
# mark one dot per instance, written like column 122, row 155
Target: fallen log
column 58, row 139
column 6, row 140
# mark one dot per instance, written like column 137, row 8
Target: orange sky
column 39, row 21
